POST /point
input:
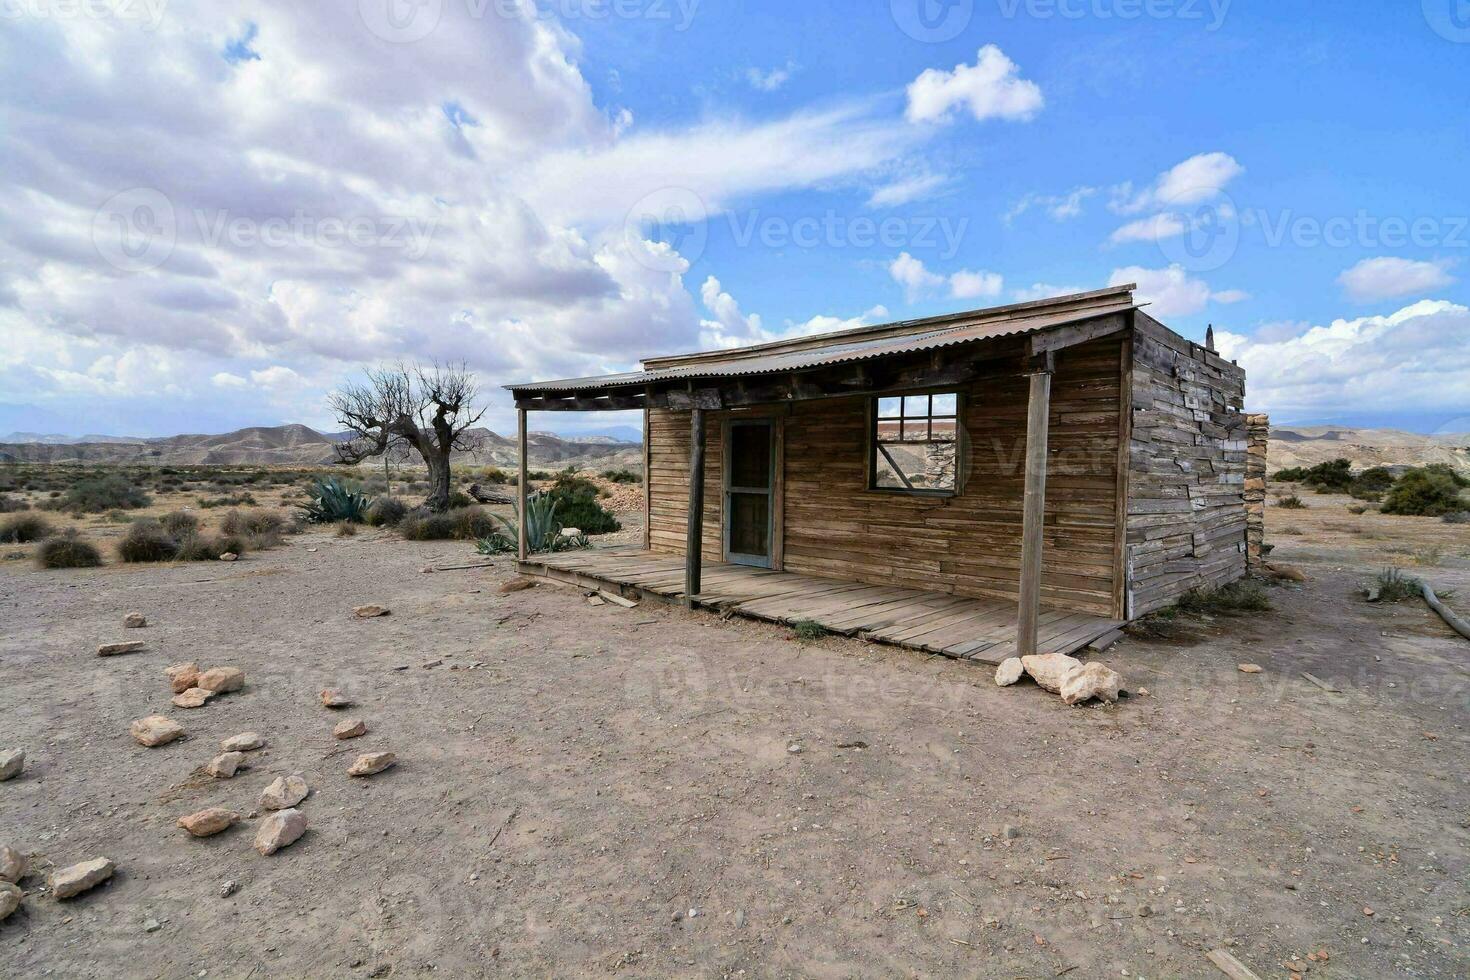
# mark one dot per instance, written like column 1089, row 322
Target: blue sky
column 221, row 213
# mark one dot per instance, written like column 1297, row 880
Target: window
column 914, row 443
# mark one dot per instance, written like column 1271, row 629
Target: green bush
column 254, row 522
column 1423, row 493
column 179, row 524
column 67, row 551
column 101, row 494
column 807, row 630
column 230, row 500
column 494, row 475
column 1371, row 484
column 622, row 476
column 25, row 528
column 1290, row 503
column 1447, row 470
column 205, row 547
column 459, row 524
column 1243, row 595
column 458, row 499
column 147, row 541
column 1394, row 586
column 577, row 506
column 385, row 512
column 332, row 502
column 9, row 504
column 1457, row 517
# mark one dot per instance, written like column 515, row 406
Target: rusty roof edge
column 895, row 345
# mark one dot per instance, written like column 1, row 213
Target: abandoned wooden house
column 1010, row 480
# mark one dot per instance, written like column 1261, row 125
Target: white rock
column 229, row 556
column 284, row 792
column 156, row 730
column 244, row 742
column 280, row 829
column 135, row 621
column 81, row 877
column 12, row 865
column 225, row 766
column 372, row 763
column 1093, row 681
column 194, row 697
column 207, row 823
column 12, row 761
column 1009, row 671
column 10, row 896
column 221, row 680
column 1050, row 669
column 333, row 698
column 351, row 728
column 118, row 649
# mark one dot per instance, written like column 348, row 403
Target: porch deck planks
column 977, row 629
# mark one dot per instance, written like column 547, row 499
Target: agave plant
column 331, row 502
column 543, row 533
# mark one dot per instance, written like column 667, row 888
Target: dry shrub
column 147, row 541
column 67, row 551
column 25, row 528
column 179, row 524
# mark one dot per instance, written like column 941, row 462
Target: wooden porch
column 979, row 630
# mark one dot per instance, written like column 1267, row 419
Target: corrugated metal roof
column 737, row 365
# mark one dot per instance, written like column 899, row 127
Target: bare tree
column 428, row 409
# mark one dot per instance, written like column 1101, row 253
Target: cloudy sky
column 215, row 212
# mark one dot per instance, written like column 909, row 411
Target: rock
column 228, row 888
column 1248, row 668
column 372, row 763
column 81, row 877
column 284, row 792
column 351, row 728
column 155, row 730
column 1050, row 669
column 207, row 823
column 333, row 698
column 182, row 677
column 12, row 865
column 135, row 621
column 194, row 697
column 370, row 612
column 12, row 761
column 229, row 556
column 794, row 748
column 1144, row 911
column 244, row 742
column 221, row 680
column 1093, row 681
column 571, row 532
column 1009, row 671
column 1009, row 832
column 152, row 925
column 118, row 649
column 10, row 896
column 281, row 829
column 1284, row 573
column 225, row 766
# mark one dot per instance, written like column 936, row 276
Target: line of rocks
column 1058, row 673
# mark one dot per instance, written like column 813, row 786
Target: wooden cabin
column 1011, row 480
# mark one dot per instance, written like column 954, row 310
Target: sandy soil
column 598, row 790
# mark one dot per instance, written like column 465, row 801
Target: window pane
column 942, row 430
column 915, row 406
column 945, row 404
column 939, row 466
column 890, row 430
column 749, row 518
column 909, row 459
column 915, row 430
column 888, row 408
column 750, row 455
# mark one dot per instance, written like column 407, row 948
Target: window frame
column 960, row 440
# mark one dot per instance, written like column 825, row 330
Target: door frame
column 772, row 558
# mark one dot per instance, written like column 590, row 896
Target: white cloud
column 769, row 81
column 1415, row 359
column 1192, row 181
column 1150, row 229
column 1044, row 290
column 991, row 88
column 730, row 327
column 1060, row 207
column 917, row 280
column 1386, row 278
column 906, row 190
column 1171, row 291
column 224, row 379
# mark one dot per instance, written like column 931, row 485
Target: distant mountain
column 1309, row 445
column 300, row 445
column 54, row 439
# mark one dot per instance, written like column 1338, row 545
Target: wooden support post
column 1034, row 506
column 694, row 540
column 523, row 550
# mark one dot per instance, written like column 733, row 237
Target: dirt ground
column 597, row 790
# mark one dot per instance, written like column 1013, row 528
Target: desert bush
column 461, row 523
column 1394, row 586
column 494, row 475
column 179, row 524
column 458, row 499
column 1243, row 595
column 1457, row 517
column 346, row 529
column 99, row 494
column 147, row 541
column 807, row 630
column 208, row 547
column 25, row 528
column 332, row 501
column 622, row 476
column 254, row 522
column 1446, row 469
column 385, row 512
column 543, row 531
column 67, row 551
column 1357, row 509
column 1290, row 503
column 229, row 500
column 577, row 505
column 1424, row 493
column 9, row 504
column 1371, row 483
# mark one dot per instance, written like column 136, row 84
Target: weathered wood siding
column 969, row 544
column 1187, row 469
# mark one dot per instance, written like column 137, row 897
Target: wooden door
column 750, row 473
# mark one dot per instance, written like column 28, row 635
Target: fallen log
column 484, row 496
column 1455, row 622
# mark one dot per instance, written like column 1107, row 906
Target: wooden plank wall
column 967, row 545
column 668, row 482
column 1187, row 469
